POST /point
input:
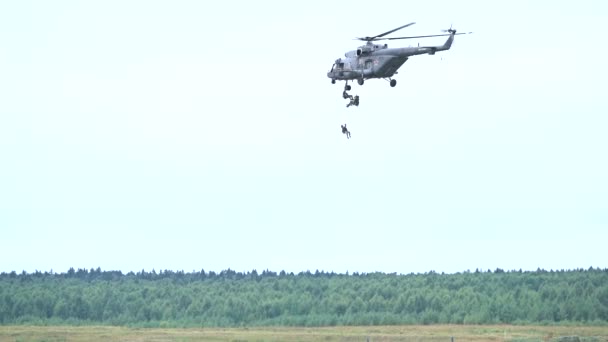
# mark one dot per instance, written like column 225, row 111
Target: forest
column 235, row 299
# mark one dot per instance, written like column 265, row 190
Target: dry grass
column 412, row 333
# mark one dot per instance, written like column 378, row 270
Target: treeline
column 229, row 298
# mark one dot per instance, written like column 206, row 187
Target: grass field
column 376, row 333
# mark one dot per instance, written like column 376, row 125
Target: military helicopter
column 378, row 61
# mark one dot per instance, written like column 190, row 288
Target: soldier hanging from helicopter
column 346, row 95
column 354, row 100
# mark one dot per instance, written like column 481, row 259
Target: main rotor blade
column 429, row 36
column 385, row 33
column 391, row 31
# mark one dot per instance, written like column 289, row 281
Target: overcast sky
column 190, row 135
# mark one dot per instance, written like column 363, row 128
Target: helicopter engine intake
column 363, row 50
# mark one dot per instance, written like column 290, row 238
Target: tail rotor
column 450, row 30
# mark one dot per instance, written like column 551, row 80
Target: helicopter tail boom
column 448, row 43
column 446, row 46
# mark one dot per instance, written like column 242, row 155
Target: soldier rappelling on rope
column 354, row 100
column 345, row 131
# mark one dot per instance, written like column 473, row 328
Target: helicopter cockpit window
column 340, row 66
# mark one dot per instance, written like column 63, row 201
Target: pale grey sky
column 189, row 135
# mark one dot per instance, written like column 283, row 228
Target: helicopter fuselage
column 378, row 61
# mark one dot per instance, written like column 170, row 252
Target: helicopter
column 378, row 61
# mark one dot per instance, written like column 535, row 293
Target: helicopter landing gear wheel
column 333, row 81
column 393, row 83
column 360, row 81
